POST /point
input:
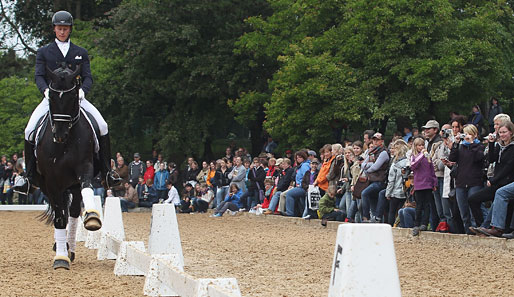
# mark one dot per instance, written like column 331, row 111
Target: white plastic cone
column 81, row 231
column 164, row 234
column 364, row 262
column 113, row 220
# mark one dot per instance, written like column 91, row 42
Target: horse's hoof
column 61, row 262
column 92, row 220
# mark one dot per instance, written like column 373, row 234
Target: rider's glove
column 46, row 93
column 81, row 94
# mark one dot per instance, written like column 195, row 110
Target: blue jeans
column 355, row 211
column 295, row 196
column 500, row 205
column 345, row 203
column 407, row 216
column 438, row 194
column 221, row 194
column 370, row 199
column 447, row 213
column 274, row 201
column 462, row 202
column 100, row 192
column 382, row 202
column 125, row 205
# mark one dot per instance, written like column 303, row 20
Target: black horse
column 66, row 163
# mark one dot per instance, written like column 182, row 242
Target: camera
column 360, row 158
column 462, row 135
column 447, row 133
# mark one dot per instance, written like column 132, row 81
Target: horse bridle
column 57, row 117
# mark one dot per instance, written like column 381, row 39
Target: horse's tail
column 47, row 216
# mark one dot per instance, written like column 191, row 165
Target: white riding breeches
column 43, row 107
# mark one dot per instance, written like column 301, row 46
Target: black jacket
column 306, row 180
column 221, row 178
column 504, row 168
column 284, row 179
column 470, row 160
column 51, row 56
column 256, row 176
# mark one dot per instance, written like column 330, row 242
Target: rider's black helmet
column 62, row 18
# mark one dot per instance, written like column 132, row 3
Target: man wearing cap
column 375, row 166
column 432, row 142
column 136, row 169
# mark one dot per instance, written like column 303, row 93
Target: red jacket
column 149, row 173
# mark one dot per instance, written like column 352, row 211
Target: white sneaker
column 232, row 213
column 252, row 211
column 307, row 217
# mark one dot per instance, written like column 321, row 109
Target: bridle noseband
column 57, row 117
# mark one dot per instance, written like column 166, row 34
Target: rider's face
column 62, row 32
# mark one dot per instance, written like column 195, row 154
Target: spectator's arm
column 382, row 158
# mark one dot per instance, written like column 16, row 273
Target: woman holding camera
column 468, row 153
column 503, row 155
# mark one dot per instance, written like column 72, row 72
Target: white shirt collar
column 63, row 46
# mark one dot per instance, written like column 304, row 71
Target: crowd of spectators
column 456, row 177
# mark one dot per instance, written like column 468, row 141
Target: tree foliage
column 377, row 60
column 18, row 98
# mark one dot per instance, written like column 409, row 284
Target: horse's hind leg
column 75, row 209
column 61, row 259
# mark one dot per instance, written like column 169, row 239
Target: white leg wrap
column 72, row 233
column 88, row 199
column 40, row 110
column 60, row 242
column 102, row 124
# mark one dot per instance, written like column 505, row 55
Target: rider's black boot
column 105, row 160
column 30, row 163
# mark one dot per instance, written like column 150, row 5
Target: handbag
column 313, row 197
column 361, row 184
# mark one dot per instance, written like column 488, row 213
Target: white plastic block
column 364, row 262
column 81, row 231
column 109, row 247
column 132, row 259
column 164, row 235
column 113, row 220
column 164, row 274
column 218, row 287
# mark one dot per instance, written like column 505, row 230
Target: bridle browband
column 57, row 117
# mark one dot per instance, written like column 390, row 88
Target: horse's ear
column 53, row 77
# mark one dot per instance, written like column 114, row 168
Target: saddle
column 42, row 124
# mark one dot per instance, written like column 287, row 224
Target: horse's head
column 64, row 100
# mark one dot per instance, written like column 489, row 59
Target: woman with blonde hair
column 468, row 153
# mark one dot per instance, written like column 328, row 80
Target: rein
column 57, row 117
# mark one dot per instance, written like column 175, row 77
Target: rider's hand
column 81, row 94
column 46, row 93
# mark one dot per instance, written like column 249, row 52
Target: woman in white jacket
column 395, row 192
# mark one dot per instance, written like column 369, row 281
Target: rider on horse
column 54, row 55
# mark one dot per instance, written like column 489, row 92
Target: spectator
column 432, row 142
column 468, row 153
column 407, row 131
column 270, row 145
column 160, row 180
column 238, row 173
column 136, row 169
column 424, row 183
column 503, row 155
column 149, row 172
column 295, row 197
column 192, row 173
column 201, row 204
column 328, row 209
column 130, row 199
column 375, row 167
column 358, row 150
column 157, row 163
column 140, row 188
column 494, row 110
column 322, row 181
column 149, row 195
column 7, row 190
column 284, row 180
column 204, row 172
column 123, row 171
column 228, row 154
column 476, row 117
column 394, row 194
column 443, row 183
column 173, row 196
column 256, row 176
column 272, row 171
column 211, row 174
column 155, row 156
column 367, row 139
column 222, row 181
column 231, row 202
column 174, row 177
column 289, row 155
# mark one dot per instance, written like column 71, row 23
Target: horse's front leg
column 75, row 209
column 92, row 221
column 61, row 259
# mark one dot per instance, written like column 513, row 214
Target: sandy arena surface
column 268, row 258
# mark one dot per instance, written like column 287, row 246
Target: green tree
column 18, row 98
column 376, row 60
